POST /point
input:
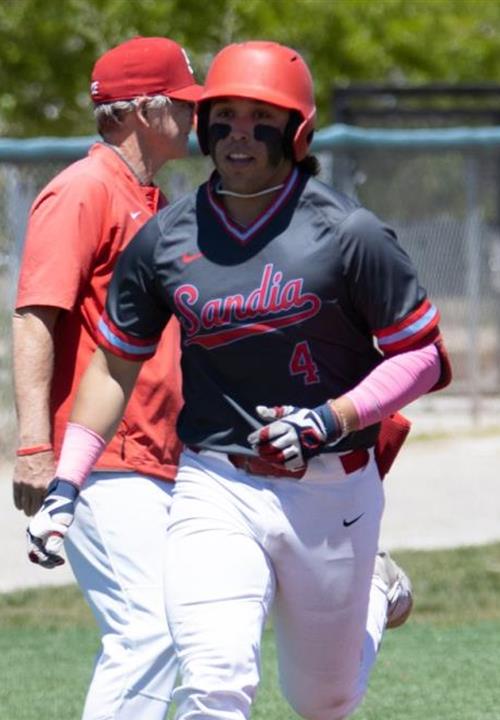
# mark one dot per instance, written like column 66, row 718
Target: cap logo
column 188, row 61
column 94, row 87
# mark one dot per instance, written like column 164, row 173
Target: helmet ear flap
column 303, row 138
column 202, row 114
column 297, row 136
column 289, row 133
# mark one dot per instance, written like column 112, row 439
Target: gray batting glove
column 47, row 529
column 294, row 434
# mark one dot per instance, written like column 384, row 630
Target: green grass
column 443, row 665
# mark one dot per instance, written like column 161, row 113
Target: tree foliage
column 47, row 49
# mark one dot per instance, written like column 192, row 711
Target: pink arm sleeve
column 80, row 451
column 396, row 382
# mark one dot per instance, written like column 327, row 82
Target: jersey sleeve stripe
column 421, row 310
column 129, row 350
column 424, row 337
column 405, row 334
column 154, row 339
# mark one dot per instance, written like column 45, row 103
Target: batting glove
column 46, row 531
column 295, row 434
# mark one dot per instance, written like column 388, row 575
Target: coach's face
column 246, row 143
column 171, row 126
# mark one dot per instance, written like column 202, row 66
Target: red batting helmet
column 263, row 71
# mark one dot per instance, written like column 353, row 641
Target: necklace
column 220, row 191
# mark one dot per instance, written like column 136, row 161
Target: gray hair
column 109, row 116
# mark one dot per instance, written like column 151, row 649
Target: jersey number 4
column 302, row 363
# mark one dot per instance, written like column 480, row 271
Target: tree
column 47, row 49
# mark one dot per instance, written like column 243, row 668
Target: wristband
column 344, row 429
column 335, row 429
column 80, row 451
column 34, row 449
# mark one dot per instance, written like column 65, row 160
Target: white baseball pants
column 116, row 548
column 239, row 544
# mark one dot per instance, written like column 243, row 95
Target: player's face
column 246, row 143
column 171, row 126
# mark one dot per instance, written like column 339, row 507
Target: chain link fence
column 439, row 189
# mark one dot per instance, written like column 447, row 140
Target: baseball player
column 303, row 326
column 144, row 93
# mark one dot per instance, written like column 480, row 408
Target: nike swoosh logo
column 191, row 257
column 135, row 215
column 348, row 523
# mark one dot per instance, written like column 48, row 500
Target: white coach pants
column 238, row 544
column 116, row 548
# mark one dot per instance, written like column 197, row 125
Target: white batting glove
column 294, row 434
column 46, row 531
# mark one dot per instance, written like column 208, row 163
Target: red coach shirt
column 77, row 227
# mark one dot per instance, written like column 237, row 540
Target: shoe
column 399, row 593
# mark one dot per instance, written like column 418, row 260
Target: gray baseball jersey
column 305, row 302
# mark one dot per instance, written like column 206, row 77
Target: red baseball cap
column 144, row 66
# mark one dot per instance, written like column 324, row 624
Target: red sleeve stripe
column 128, row 339
column 404, row 334
column 129, row 349
column 415, row 315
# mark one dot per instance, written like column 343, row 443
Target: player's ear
column 141, row 105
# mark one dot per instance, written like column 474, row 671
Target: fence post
column 473, row 251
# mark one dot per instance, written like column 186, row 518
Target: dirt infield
column 441, row 493
column 444, row 493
